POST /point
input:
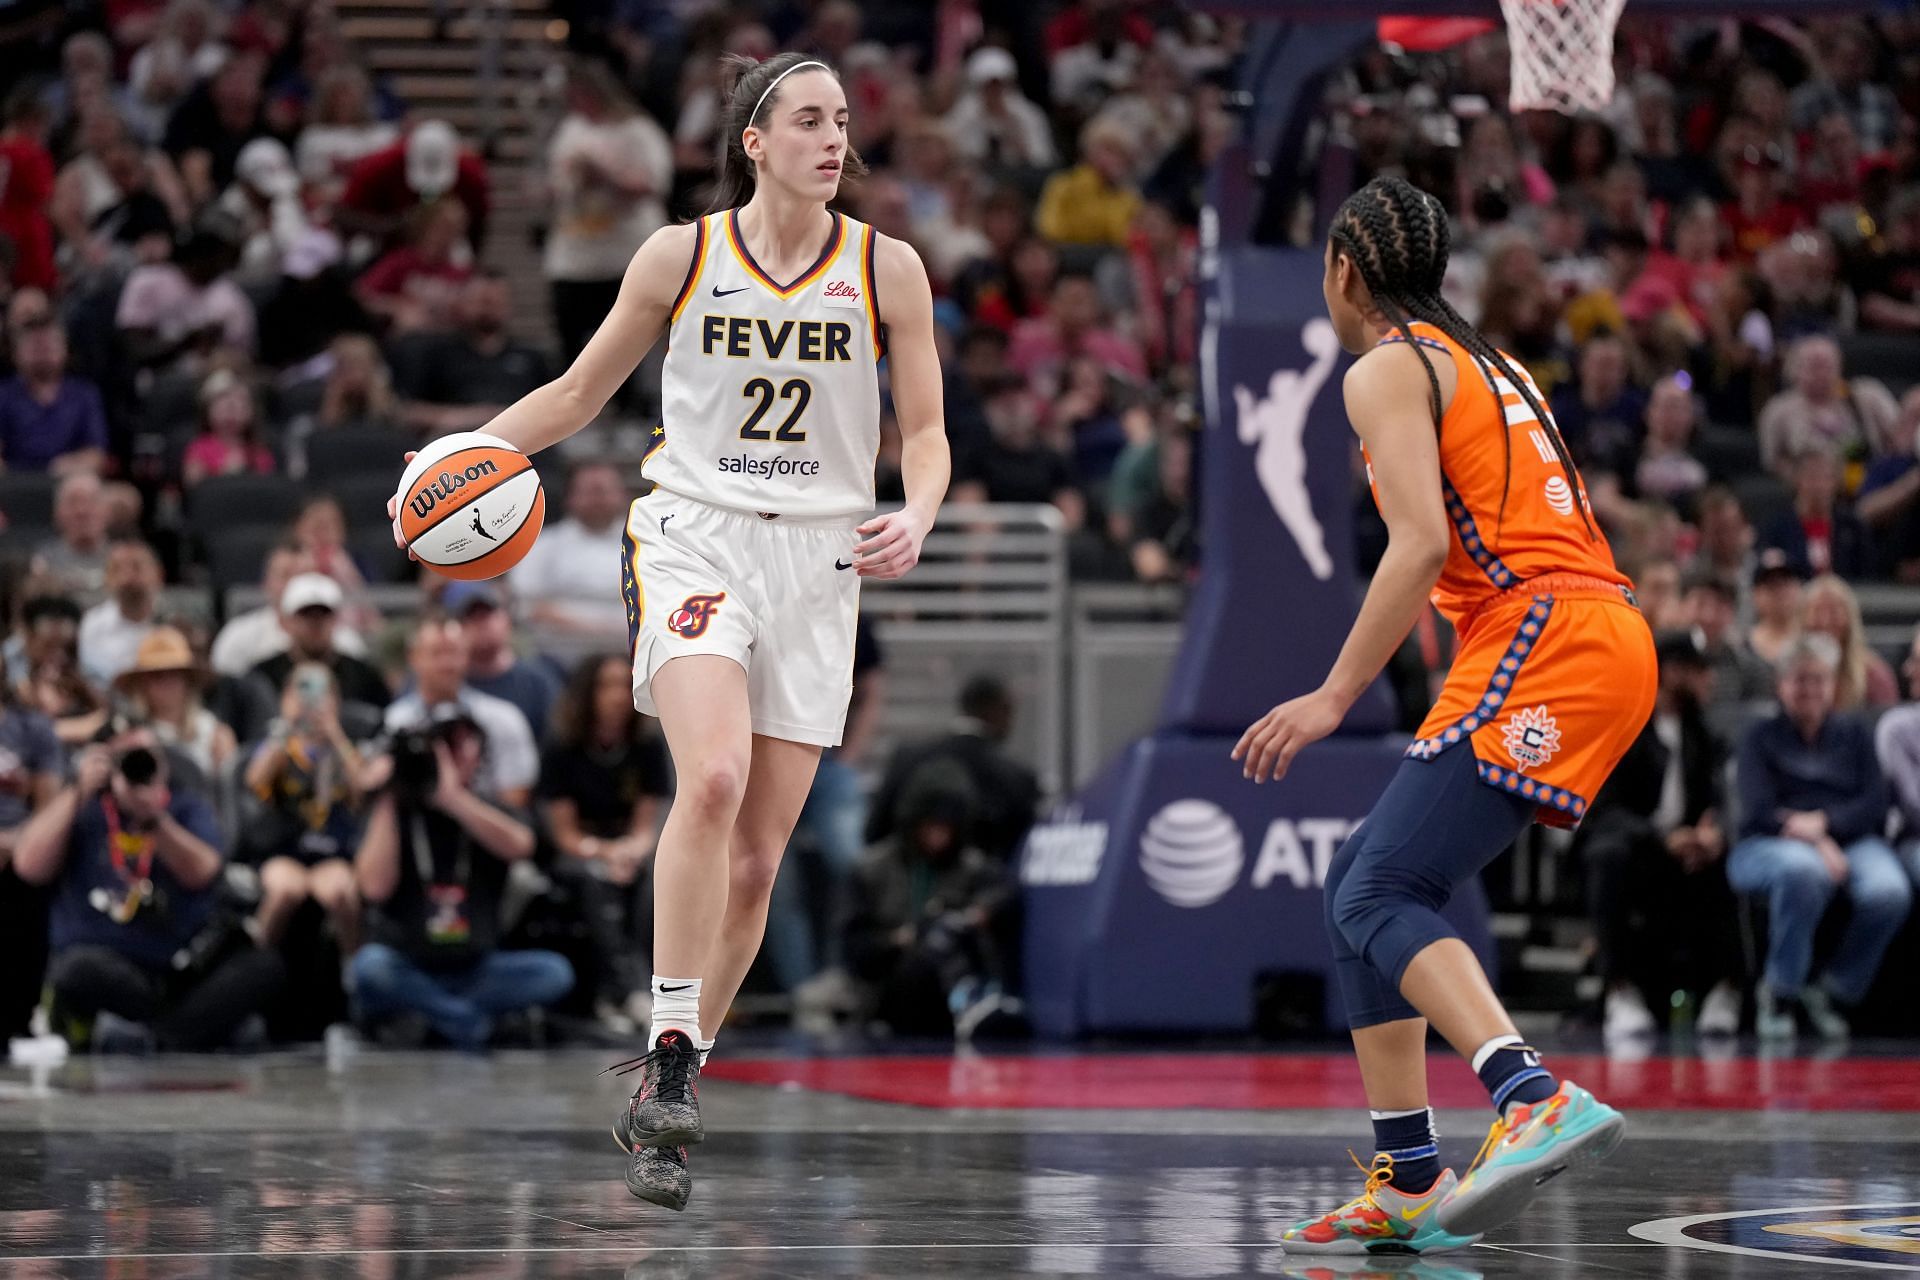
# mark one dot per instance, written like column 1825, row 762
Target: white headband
column 776, row 82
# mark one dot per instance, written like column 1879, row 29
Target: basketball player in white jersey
column 743, row 566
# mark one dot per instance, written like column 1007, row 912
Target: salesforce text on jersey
column 767, row 468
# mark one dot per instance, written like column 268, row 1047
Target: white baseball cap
column 990, row 63
column 311, row 591
column 264, row 165
column 433, row 158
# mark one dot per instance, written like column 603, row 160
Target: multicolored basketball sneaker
column 1379, row 1220
column 1523, row 1151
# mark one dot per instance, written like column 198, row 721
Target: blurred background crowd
column 258, row 777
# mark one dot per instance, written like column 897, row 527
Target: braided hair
column 1397, row 238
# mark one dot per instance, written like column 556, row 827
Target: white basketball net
column 1562, row 53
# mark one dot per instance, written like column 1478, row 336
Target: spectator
column 134, row 867
column 305, row 777
column 359, row 387
column 278, row 237
column 49, row 420
column 26, row 185
column 427, row 165
column 609, row 167
column 177, row 312
column 413, row 287
column 111, row 631
column 186, row 51
column 1843, row 80
column 1759, row 213
column 994, row 124
column 1667, row 470
column 1663, row 917
column 216, row 119
column 603, row 781
column 1820, row 533
column 1158, row 283
column 130, row 212
column 1886, row 502
column 1897, row 746
column 1094, row 202
column 250, row 638
column 510, row 762
column 1600, row 414
column 310, row 618
column 228, row 442
column 1778, row 588
column 1813, row 805
column 51, row 682
column 460, row 381
column 434, row 864
column 1017, row 464
column 1740, row 677
column 30, row 768
column 1887, row 274
column 162, row 685
column 1865, row 681
column 929, row 913
column 343, row 128
column 1072, row 326
column 1851, row 417
column 492, row 665
column 569, row 584
column 1162, row 538
column 1007, row 792
column 1657, row 584
column 320, row 530
column 1726, row 540
column 1152, row 110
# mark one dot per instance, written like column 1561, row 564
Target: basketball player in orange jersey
column 743, row 564
column 1553, row 680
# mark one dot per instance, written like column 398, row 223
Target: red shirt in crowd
column 377, row 186
column 26, row 185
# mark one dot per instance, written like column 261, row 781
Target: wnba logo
column 434, row 492
column 1192, row 853
column 690, row 620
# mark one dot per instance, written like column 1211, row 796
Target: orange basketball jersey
column 1508, row 527
column 1555, row 673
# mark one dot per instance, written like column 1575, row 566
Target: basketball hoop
column 1562, row 53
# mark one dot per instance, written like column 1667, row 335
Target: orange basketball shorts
column 1549, row 688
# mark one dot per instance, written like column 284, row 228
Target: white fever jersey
column 771, row 393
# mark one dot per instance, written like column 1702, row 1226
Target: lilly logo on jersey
column 839, row 293
column 690, row 620
column 442, row 488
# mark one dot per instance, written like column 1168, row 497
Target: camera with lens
column 139, row 766
column 416, row 771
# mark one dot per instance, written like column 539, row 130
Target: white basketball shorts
column 779, row 596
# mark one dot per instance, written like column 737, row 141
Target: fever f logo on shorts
column 690, row 620
column 1532, row 737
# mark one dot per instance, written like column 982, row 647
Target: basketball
column 470, row 505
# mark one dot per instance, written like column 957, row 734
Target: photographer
column 305, row 777
column 434, row 863
column 135, row 933
column 931, row 912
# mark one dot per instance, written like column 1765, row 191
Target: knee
column 550, row 978
column 1885, row 897
column 336, row 892
column 753, row 865
column 283, row 880
column 712, row 786
column 1350, row 906
column 377, row 968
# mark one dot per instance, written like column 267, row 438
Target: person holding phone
column 305, row 778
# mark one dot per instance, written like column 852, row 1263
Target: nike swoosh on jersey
column 718, row 292
column 838, row 565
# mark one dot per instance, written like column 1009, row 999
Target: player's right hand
column 393, row 513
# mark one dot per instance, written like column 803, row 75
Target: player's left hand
column 1267, row 748
column 893, row 544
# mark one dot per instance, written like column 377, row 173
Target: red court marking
column 1298, row 1082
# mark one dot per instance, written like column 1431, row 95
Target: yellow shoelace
column 1494, row 1135
column 1377, row 1177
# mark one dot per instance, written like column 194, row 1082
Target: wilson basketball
column 470, row 505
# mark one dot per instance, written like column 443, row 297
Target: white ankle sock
column 705, row 1047
column 676, row 1007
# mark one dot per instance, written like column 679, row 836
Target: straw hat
column 162, row 650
